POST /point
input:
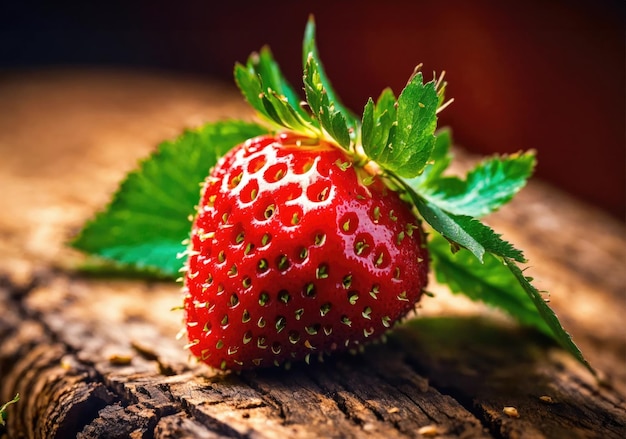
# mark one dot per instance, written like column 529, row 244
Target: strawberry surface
column 296, row 251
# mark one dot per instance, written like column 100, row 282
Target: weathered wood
column 94, row 357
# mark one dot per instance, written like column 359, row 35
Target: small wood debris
column 145, row 351
column 547, row 399
column 120, row 359
column 368, row 427
column 429, row 431
column 393, row 410
column 511, row 412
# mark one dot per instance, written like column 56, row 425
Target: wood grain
column 98, row 357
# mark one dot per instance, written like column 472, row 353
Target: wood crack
column 41, row 368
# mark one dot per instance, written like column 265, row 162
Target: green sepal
column 440, row 159
column 410, row 137
column 265, row 88
column 144, row 225
column 378, row 120
column 330, row 118
column 268, row 69
column 336, row 119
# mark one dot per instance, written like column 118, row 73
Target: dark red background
column 547, row 75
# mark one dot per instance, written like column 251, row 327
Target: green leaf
column 486, row 188
column 499, row 282
column 490, row 282
column 147, row 220
column 548, row 315
column 446, row 225
column 320, row 94
column 410, row 137
column 3, row 414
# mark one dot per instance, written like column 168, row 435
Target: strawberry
column 297, row 249
column 308, row 235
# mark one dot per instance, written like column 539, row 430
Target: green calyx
column 397, row 134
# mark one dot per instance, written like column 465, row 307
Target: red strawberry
column 303, row 242
column 297, row 251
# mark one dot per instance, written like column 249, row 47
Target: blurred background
column 546, row 75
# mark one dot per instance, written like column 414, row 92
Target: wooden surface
column 97, row 357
